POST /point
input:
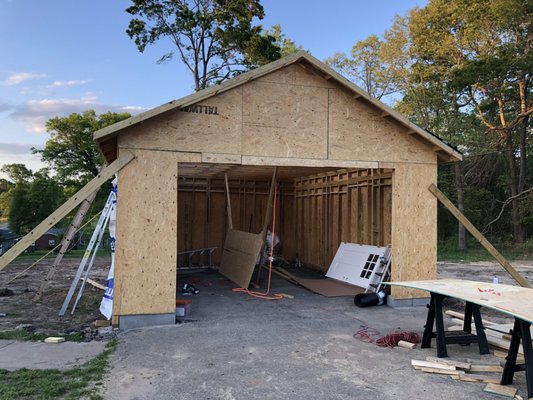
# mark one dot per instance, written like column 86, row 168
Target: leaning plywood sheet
column 512, row 300
column 329, row 287
column 239, row 256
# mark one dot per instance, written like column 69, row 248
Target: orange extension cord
column 259, row 295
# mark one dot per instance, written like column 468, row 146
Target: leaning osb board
column 358, row 132
column 414, row 227
column 284, row 120
column 239, row 257
column 193, row 129
column 145, row 271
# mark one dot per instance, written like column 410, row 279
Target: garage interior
column 317, row 208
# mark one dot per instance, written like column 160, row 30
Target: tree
column 5, row 196
column 214, row 39
column 481, row 50
column 71, row 151
column 378, row 65
column 33, row 197
column 17, row 172
column 286, row 45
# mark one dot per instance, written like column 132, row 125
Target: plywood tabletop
column 512, row 300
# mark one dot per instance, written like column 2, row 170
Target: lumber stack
column 468, row 371
column 498, row 335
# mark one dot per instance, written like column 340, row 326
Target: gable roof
column 443, row 148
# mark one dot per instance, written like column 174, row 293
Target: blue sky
column 63, row 56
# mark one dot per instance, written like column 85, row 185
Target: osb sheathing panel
column 145, row 273
column 414, row 227
column 284, row 120
column 191, row 131
column 357, row 131
column 297, row 74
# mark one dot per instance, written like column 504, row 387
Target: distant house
column 49, row 240
column 7, row 238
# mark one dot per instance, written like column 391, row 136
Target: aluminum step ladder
column 381, row 272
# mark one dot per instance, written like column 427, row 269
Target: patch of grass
column 76, row 383
column 447, row 251
column 35, row 255
column 23, row 335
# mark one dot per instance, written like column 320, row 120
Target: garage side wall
column 146, row 235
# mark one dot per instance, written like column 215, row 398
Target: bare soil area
column 43, row 314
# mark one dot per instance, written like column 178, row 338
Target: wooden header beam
column 64, row 209
column 478, row 235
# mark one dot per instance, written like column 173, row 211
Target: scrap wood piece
column 503, row 355
column 417, row 364
column 94, row 283
column 279, row 272
column 447, row 361
column 406, row 345
column 439, row 371
column 478, row 378
column 478, row 235
column 461, row 317
column 486, row 368
column 506, row 391
column 54, row 339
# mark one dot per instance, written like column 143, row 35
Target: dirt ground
column 43, row 315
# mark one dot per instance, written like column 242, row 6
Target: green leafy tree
column 33, row 198
column 286, row 45
column 481, row 51
column 17, row 172
column 5, row 197
column 214, row 39
column 71, row 151
column 380, row 66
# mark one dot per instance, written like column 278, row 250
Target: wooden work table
column 514, row 301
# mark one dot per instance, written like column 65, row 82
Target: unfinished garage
column 293, row 142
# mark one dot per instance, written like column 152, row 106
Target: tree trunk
column 518, row 228
column 459, row 187
column 521, row 232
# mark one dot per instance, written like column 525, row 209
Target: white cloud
column 20, row 77
column 34, row 113
column 15, row 148
column 56, row 84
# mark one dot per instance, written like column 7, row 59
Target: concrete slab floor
column 237, row 347
column 34, row 355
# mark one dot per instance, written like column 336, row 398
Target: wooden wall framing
column 313, row 214
column 202, row 215
column 346, row 206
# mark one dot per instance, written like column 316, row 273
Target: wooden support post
column 228, row 205
column 478, row 235
column 268, row 216
column 64, row 209
column 72, row 229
